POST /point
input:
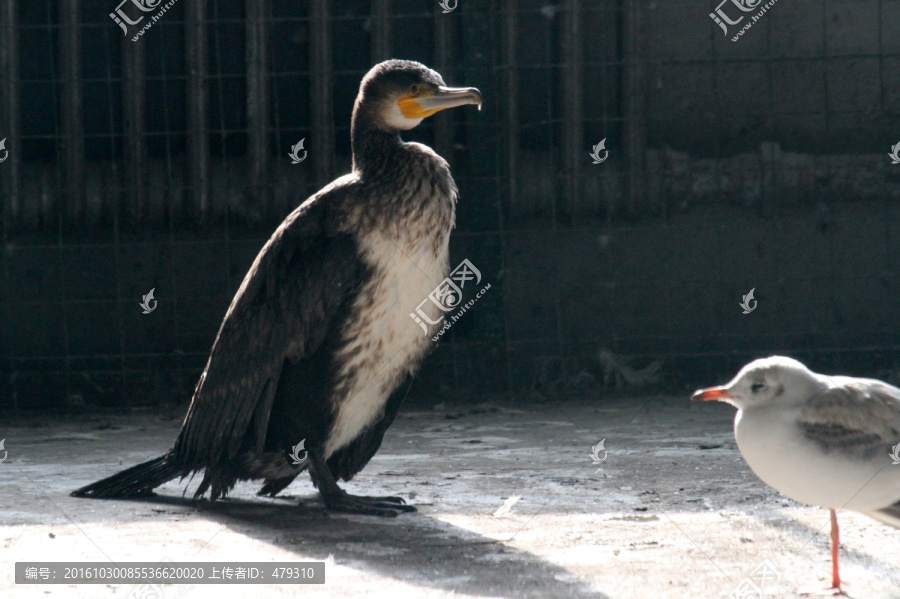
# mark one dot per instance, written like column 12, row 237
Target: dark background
column 162, row 163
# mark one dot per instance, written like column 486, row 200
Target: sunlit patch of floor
column 671, row 512
column 620, row 554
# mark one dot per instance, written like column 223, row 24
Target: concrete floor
column 672, row 512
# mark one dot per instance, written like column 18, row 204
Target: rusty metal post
column 10, row 94
column 381, row 30
column 573, row 111
column 71, row 109
column 258, row 104
column 633, row 102
column 321, row 86
column 134, row 100
column 197, row 51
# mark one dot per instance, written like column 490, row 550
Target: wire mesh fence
column 638, row 168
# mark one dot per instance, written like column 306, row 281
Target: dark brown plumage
column 317, row 344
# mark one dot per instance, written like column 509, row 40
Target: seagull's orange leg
column 835, row 588
column 835, row 551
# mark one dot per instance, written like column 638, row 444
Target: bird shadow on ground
column 412, row 548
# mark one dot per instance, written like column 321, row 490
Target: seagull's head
column 764, row 382
column 397, row 95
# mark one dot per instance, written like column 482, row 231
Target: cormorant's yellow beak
column 431, row 100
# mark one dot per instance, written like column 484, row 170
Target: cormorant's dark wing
column 286, row 305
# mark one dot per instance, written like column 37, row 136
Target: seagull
column 820, row 440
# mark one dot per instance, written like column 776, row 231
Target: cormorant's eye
column 414, row 88
column 757, row 387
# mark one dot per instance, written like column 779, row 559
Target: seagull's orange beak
column 712, row 394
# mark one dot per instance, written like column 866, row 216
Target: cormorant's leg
column 340, row 501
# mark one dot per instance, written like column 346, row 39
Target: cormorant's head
column 396, row 95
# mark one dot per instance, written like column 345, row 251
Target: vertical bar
column 258, row 108
column 134, row 98
column 10, row 92
column 511, row 91
column 444, row 30
column 71, row 109
column 381, row 30
column 478, row 52
column 197, row 50
column 573, row 126
column 633, row 103
column 322, row 147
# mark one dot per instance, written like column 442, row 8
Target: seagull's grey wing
column 859, row 415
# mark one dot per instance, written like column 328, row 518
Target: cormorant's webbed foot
column 367, row 506
column 340, row 501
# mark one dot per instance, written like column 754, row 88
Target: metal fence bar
column 10, row 93
column 134, row 100
column 71, row 109
column 573, row 128
column 258, row 101
column 197, row 54
column 633, row 103
column 444, row 31
column 322, row 101
column 511, row 91
column 381, row 30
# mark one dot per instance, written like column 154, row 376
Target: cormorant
column 314, row 351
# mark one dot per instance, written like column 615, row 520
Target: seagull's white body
column 820, row 440
column 775, row 445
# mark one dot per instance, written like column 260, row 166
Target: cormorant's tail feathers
column 137, row 481
column 273, row 487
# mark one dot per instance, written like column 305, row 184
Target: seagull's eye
column 757, row 387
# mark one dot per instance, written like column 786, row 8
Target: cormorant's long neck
column 374, row 150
